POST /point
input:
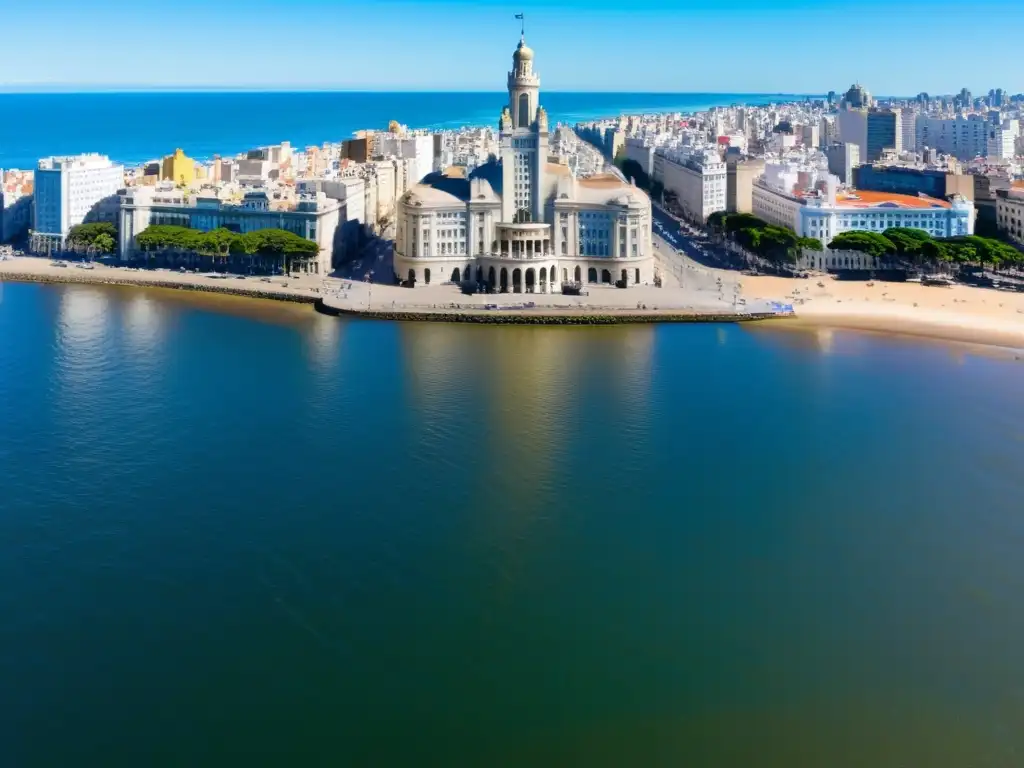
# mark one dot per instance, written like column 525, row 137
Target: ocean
column 133, row 127
column 242, row 533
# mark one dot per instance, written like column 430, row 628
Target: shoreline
column 961, row 314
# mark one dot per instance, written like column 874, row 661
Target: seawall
column 533, row 317
column 254, row 293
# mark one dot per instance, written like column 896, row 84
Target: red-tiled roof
column 865, row 199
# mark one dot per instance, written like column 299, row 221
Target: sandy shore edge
column 968, row 315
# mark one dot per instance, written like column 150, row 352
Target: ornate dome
column 523, row 51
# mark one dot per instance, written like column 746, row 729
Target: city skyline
column 663, row 46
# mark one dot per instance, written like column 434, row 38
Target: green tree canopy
column 103, row 243
column 809, row 243
column 220, row 242
column 86, row 234
column 734, row 222
column 871, row 243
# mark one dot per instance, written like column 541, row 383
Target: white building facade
column 523, row 223
column 698, row 180
column 314, row 217
column 823, row 216
column 71, row 190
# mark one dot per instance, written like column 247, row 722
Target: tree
column 716, row 220
column 809, row 243
column 277, row 244
column 871, row 243
column 103, row 243
column 95, row 236
column 631, row 169
column 734, row 222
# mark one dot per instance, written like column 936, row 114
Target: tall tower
column 523, row 142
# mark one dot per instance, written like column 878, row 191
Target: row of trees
column 913, row 248
column 777, row 245
column 279, row 246
column 917, row 248
column 96, row 237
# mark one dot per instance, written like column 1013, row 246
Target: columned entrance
column 517, row 280
column 490, row 278
column 543, row 280
column 504, row 279
column 591, row 275
column 606, row 276
column 531, row 280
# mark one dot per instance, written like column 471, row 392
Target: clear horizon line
column 66, row 89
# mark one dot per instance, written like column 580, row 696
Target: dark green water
column 236, row 534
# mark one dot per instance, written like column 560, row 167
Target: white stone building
column 823, row 214
column 523, row 223
column 70, row 191
column 698, row 180
column 314, row 217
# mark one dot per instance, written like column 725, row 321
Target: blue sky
column 750, row 46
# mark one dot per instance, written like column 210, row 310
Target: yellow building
column 178, row 168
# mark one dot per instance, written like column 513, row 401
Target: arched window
column 524, row 111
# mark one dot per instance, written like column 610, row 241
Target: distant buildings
column 842, row 158
column 419, row 148
column 178, row 168
column 15, row 204
column 70, row 191
column 852, row 127
column 885, row 131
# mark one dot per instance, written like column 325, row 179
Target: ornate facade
column 522, row 222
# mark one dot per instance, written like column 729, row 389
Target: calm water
column 237, row 534
column 136, row 127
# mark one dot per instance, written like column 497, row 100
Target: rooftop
column 865, row 199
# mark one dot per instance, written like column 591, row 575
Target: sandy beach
column 958, row 313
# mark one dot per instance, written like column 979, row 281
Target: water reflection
column 83, row 327
column 144, row 321
column 322, row 341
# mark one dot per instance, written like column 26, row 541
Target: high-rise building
column 908, row 127
column 70, row 191
column 1002, row 139
column 842, row 158
column 964, row 136
column 884, row 132
column 853, row 128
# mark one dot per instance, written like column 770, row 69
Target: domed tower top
column 523, row 51
column 523, row 87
